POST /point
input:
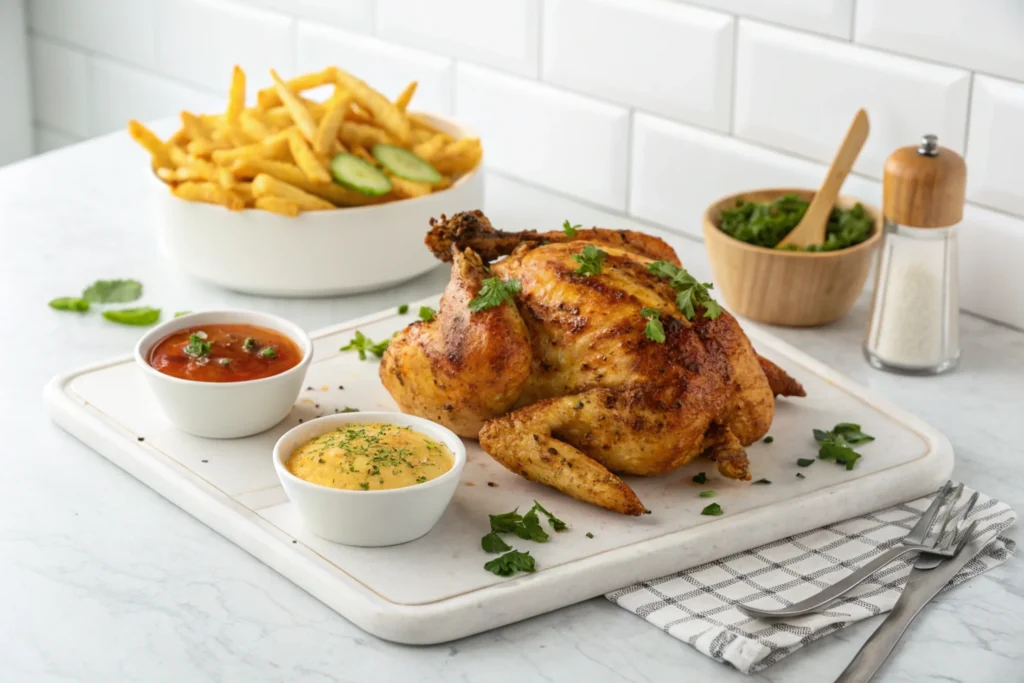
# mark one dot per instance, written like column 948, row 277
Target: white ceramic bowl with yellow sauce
column 376, row 517
column 225, row 410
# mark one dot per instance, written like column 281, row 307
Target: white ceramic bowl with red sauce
column 225, row 410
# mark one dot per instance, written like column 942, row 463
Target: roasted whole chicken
column 561, row 381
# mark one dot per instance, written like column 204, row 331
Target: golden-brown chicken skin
column 564, row 387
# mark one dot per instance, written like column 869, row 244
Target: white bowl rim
column 452, row 440
column 464, row 132
column 166, row 328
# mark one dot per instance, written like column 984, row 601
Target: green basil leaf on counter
column 69, row 303
column 492, row 543
column 113, row 291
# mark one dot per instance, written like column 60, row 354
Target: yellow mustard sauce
column 370, row 457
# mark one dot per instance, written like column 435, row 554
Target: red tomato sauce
column 225, row 353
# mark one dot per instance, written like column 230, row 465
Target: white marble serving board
column 435, row 589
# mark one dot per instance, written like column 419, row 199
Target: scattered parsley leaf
column 403, row 309
column 708, row 494
column 851, row 433
column 495, row 292
column 836, row 443
column 507, row 522
column 700, row 478
column 530, row 529
column 569, row 229
column 654, row 331
column 841, row 454
column 362, row 344
column 113, row 291
column 268, row 352
column 492, row 543
column 181, row 313
column 689, row 292
column 805, row 462
column 801, row 476
column 346, row 409
column 421, row 479
column 249, row 344
column 555, row 522
column 364, row 485
column 197, row 346
column 590, row 535
column 713, row 510
column 510, row 563
column 133, row 316
column 427, row 313
column 590, row 260
column 69, row 303
column 762, row 481
column 769, row 439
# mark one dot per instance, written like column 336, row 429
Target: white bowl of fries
column 295, row 197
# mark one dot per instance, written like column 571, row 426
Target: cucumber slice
column 405, row 164
column 361, row 176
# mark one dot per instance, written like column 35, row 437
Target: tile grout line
column 734, row 86
column 967, row 117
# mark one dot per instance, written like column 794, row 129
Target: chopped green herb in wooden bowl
column 765, row 224
column 802, row 288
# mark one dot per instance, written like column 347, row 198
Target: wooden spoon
column 811, row 229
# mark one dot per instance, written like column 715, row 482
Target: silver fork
column 936, row 550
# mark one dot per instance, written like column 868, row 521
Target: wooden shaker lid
column 924, row 186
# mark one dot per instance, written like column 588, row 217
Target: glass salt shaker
column 914, row 323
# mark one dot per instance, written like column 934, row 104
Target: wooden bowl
column 795, row 288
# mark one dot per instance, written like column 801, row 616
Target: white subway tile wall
column 546, row 136
column 623, row 53
column 653, row 108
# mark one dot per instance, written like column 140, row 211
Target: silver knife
column 922, row 586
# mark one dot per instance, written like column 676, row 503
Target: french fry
column 358, row 114
column 269, row 98
column 402, row 101
column 327, row 129
column 278, row 205
column 204, row 147
column 210, row 193
column 264, row 185
column 151, row 143
column 419, row 121
column 364, row 154
column 168, row 175
column 408, row 188
column 177, row 155
column 244, row 192
column 306, row 160
column 224, row 177
column 291, row 174
column 420, row 135
column 253, row 126
column 296, row 108
column 458, row 157
column 197, row 169
column 194, row 126
column 363, row 134
column 180, row 138
column 274, row 147
column 236, row 96
column 432, row 147
column 384, row 113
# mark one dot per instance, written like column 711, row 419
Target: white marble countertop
column 103, row 580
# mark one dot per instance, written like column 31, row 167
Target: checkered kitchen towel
column 698, row 606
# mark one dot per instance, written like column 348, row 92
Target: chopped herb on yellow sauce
column 370, row 457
